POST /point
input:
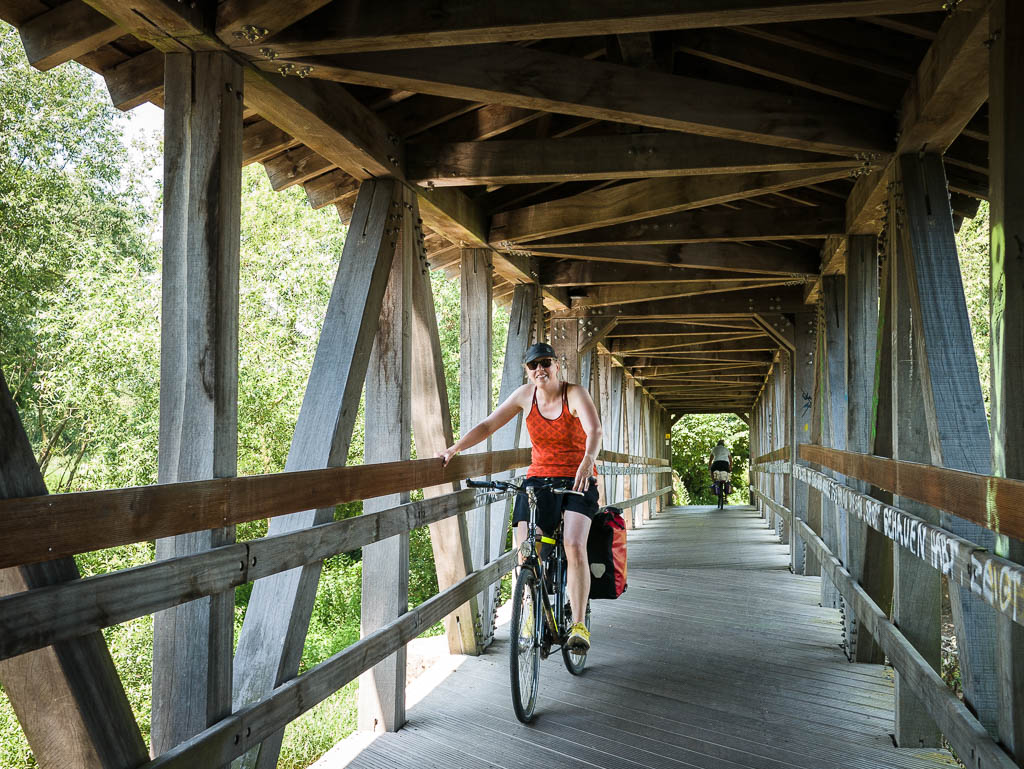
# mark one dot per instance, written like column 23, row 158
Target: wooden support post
column 803, row 407
column 524, row 298
column 432, row 428
column 67, row 697
column 834, row 405
column 192, row 643
column 916, row 585
column 644, row 443
column 604, row 409
column 1006, row 191
column 385, row 594
column 274, row 630
column 954, row 410
column 475, row 395
column 812, row 565
column 565, row 338
column 861, row 338
column 629, row 435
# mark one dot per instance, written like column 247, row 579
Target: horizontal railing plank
column 779, row 455
column 997, row 581
column 36, row 529
column 645, row 498
column 989, row 501
column 247, row 727
column 38, row 618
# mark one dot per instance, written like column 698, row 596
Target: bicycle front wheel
column 524, row 649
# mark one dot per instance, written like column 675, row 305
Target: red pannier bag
column 606, row 550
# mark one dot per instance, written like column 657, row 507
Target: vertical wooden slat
column 613, row 428
column 803, row 405
column 812, row 566
column 861, row 338
column 192, row 643
column 475, row 394
column 432, row 428
column 274, row 629
column 520, row 333
column 629, row 433
column 916, row 586
column 385, row 586
column 604, row 407
column 1006, row 194
column 834, row 405
column 83, row 719
column 565, row 338
column 955, row 412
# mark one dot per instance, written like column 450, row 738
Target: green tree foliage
column 975, row 267
column 693, row 437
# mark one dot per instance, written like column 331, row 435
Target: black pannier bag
column 606, row 551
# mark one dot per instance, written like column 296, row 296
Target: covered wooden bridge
column 743, row 206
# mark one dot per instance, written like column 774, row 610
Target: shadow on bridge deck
column 716, row 656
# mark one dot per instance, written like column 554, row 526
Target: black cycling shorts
column 721, row 464
column 550, row 506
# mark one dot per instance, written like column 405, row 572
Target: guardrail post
column 385, row 590
column 954, row 410
column 192, row 644
column 803, row 408
column 1006, row 190
column 475, row 396
column 833, row 529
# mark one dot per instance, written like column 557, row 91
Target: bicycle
column 719, row 482
column 540, row 622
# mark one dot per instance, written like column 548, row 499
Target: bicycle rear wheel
column 524, row 650
column 721, row 495
column 574, row 661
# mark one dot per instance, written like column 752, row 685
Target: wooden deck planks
column 716, row 656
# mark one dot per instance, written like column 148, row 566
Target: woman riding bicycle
column 565, row 431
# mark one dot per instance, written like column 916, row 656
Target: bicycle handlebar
column 510, row 486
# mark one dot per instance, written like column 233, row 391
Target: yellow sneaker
column 579, row 638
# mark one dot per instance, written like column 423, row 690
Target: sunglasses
column 543, row 363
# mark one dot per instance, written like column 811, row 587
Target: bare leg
column 522, row 531
column 576, row 527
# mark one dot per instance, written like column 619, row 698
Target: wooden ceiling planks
column 641, row 194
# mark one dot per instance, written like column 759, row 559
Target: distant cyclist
column 565, row 431
column 720, row 459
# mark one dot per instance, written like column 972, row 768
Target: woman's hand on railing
column 447, row 455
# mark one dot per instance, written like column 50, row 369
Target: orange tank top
column 558, row 444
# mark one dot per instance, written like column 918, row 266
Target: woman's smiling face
column 542, row 374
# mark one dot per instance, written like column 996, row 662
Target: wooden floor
column 716, row 656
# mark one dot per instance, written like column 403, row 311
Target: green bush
column 693, row 437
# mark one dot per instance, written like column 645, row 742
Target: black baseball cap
column 539, row 350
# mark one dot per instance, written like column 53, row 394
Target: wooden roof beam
column 643, row 200
column 616, row 296
column 949, row 87
column 249, row 22
column 65, row 33
column 537, row 80
column 706, row 226
column 413, row 24
column 752, row 301
column 588, row 273
column 617, row 156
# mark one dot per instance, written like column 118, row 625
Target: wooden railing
column 43, row 528
column 995, row 503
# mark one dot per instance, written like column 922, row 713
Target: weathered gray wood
column 604, row 91
column 41, row 617
column 916, row 588
column 617, row 156
column 432, row 430
column 612, row 424
column 1006, row 197
column 833, row 405
column 138, row 80
column 475, row 395
column 713, row 225
column 409, row 25
column 818, row 411
column 861, row 337
column 385, row 593
column 955, row 412
column 565, row 338
column 644, row 199
column 274, row 630
column 255, row 722
column 805, row 329
column 192, row 644
column 84, row 719
column 65, row 33
column 520, row 332
column 966, row 735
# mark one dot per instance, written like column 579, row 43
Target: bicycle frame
column 553, row 617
